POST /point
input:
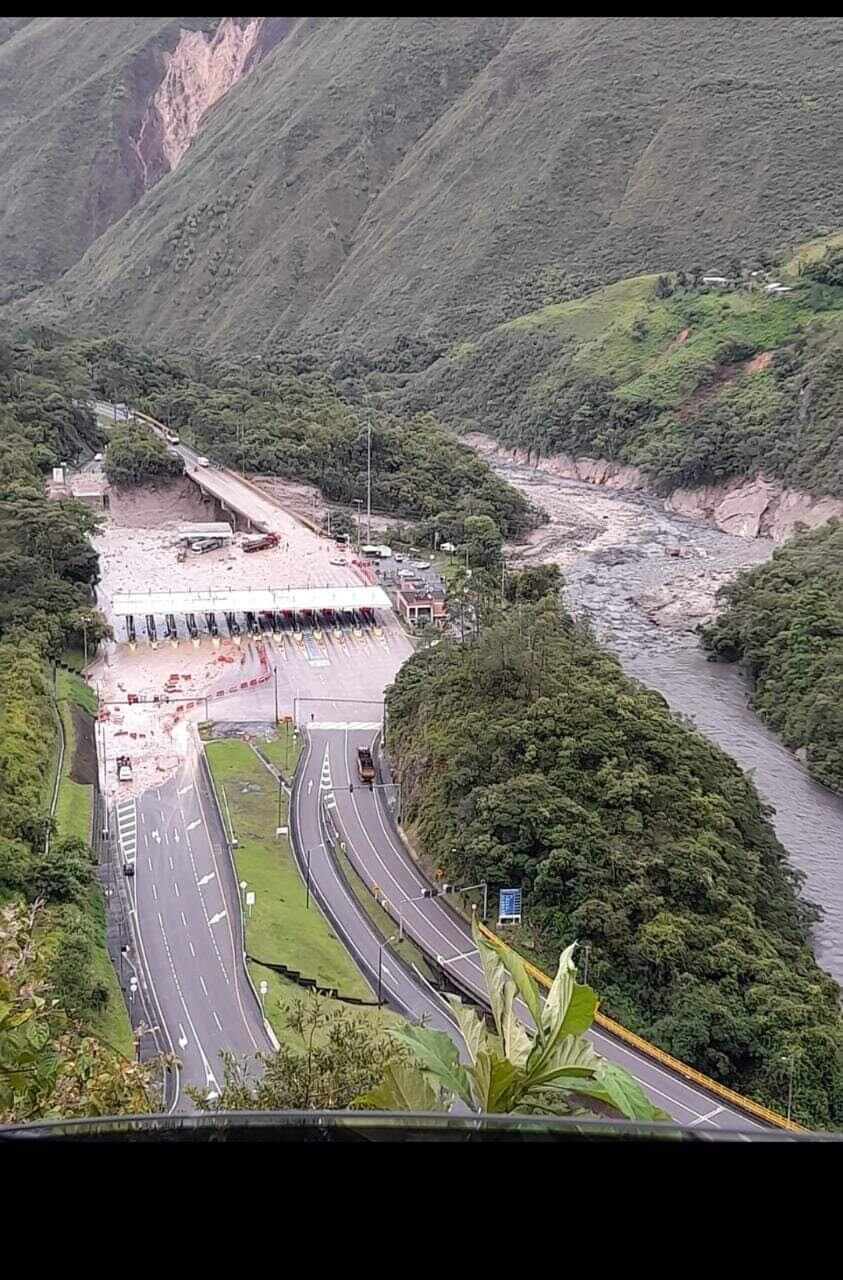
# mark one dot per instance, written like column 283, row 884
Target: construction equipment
column 262, row 543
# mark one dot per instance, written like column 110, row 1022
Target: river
column 618, row 550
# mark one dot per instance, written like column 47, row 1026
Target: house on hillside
column 717, row 282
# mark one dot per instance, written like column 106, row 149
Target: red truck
column 262, row 543
column 365, row 765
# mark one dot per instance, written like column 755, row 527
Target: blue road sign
column 509, row 904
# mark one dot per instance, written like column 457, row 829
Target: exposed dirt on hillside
column 198, row 73
column 174, row 502
column 83, row 766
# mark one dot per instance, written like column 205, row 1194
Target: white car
column 406, row 573
column 202, row 462
column 337, row 560
column 421, row 564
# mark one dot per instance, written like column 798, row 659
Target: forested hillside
column 783, row 622
column 692, row 382
column 378, row 176
column 53, row 988
column 287, row 416
column 529, row 759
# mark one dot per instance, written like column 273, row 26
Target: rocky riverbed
column 646, row 577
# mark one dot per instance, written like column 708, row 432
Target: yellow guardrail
column 666, row 1060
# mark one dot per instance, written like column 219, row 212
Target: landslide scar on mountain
column 197, row 72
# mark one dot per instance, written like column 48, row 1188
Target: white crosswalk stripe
column 346, row 724
column 127, row 829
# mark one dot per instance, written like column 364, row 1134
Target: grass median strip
column 280, row 930
column 76, row 704
column 283, row 751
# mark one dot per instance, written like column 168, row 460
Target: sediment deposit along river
column 618, row 551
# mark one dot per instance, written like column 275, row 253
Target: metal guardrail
column 667, row 1060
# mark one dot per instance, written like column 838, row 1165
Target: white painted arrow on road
column 206, row 879
column 176, row 835
column 216, row 919
column 182, row 1037
column 194, row 823
column 156, row 836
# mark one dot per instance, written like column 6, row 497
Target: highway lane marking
column 205, row 908
column 170, row 860
column 210, row 1078
column 183, row 920
column 216, row 1019
column 184, row 790
column 192, row 952
column 202, row 984
column 356, row 910
column 371, row 725
column 155, row 892
column 475, row 964
column 709, row 1116
column 176, row 888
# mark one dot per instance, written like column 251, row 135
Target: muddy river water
column 646, row 578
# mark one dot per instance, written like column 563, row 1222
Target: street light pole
column 586, row 950
column 369, row 481
column 307, row 884
column 358, row 502
column 275, row 674
column 790, row 1085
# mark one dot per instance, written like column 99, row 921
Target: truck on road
column 261, row 544
column 376, row 552
column 124, row 769
column 365, row 765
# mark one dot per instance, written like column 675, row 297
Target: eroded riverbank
column 646, row 577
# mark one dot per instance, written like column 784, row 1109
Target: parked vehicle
column 261, row 544
column 376, row 552
column 124, row 769
column 365, row 765
column 202, row 461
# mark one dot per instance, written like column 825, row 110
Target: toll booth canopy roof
column 276, row 600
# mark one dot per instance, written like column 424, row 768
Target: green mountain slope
column 72, row 91
column 693, row 383
column 376, row 176
column 783, row 622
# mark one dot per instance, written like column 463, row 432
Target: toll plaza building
column 420, row 603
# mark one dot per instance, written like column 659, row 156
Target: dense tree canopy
column 783, row 622
column 136, row 455
column 285, row 415
column 529, row 759
column 691, row 384
column 51, row 922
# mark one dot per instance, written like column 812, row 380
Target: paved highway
column 187, row 927
column 313, row 805
column 363, row 820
